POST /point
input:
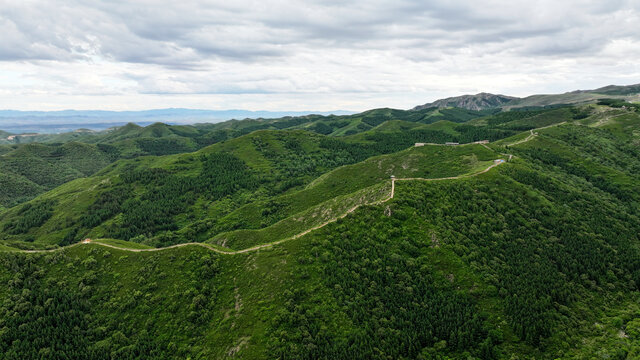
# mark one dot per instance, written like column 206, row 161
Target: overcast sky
column 306, row 55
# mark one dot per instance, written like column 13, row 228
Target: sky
column 306, row 55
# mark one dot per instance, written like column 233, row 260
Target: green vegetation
column 28, row 170
column 538, row 258
column 249, row 183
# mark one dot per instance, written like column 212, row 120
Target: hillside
column 166, row 200
column 309, row 254
column 629, row 93
column 619, row 90
column 23, row 164
column 480, row 101
column 484, row 101
column 26, row 171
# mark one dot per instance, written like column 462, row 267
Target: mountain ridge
column 483, row 100
column 478, row 101
column 435, row 250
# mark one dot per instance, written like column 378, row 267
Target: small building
column 420, row 144
column 451, row 143
column 393, row 176
column 86, row 241
column 482, row 142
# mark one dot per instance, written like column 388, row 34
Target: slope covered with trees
column 26, row 171
column 537, row 258
column 198, row 196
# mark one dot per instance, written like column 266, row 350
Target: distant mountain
column 484, row 101
column 618, row 90
column 629, row 93
column 67, row 120
column 476, row 102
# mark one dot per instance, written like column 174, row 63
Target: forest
column 537, row 258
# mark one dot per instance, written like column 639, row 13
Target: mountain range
column 46, row 122
column 434, row 233
column 483, row 101
column 68, row 120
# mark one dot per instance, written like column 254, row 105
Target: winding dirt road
column 496, row 162
column 532, row 133
column 262, row 246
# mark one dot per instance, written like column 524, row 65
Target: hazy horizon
column 296, row 112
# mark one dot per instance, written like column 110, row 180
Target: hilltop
column 479, row 101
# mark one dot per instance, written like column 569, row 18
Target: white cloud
column 306, row 55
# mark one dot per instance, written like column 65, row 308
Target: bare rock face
column 470, row 102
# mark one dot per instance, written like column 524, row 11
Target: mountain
column 26, row 171
column 479, row 101
column 68, row 120
column 208, row 133
column 484, row 101
column 308, row 250
column 285, row 238
column 627, row 93
column 618, row 90
column 132, row 141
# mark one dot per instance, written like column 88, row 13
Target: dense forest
column 536, row 258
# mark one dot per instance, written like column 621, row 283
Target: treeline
column 165, row 146
column 617, row 103
column 390, row 142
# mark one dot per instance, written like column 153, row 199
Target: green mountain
column 629, row 93
column 472, row 102
column 618, row 90
column 28, row 170
column 484, row 101
column 284, row 240
column 173, row 199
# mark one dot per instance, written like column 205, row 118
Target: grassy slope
column 276, row 156
column 121, row 243
column 568, row 98
column 350, row 182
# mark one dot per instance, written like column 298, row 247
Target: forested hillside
column 26, row 171
column 22, row 173
column 527, row 247
column 247, row 183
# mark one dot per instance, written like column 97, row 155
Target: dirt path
column 534, row 132
column 531, row 136
column 262, row 246
column 606, row 119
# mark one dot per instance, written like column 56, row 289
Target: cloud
column 328, row 48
